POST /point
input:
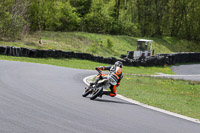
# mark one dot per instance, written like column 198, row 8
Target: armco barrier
column 157, row 60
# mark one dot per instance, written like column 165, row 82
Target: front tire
column 86, row 92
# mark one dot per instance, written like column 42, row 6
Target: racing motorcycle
column 97, row 89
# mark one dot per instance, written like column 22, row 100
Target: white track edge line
column 149, row 107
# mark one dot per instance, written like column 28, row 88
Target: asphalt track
column 187, row 72
column 36, row 98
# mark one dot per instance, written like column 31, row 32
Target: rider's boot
column 95, row 82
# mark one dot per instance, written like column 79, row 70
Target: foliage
column 109, row 44
column 97, row 20
column 150, row 18
column 53, row 15
column 82, row 6
column 93, row 48
column 13, row 24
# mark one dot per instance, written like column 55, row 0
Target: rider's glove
column 100, row 76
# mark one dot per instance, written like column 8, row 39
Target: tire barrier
column 166, row 59
column 36, row 53
column 157, row 60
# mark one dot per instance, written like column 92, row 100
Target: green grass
column 97, row 44
column 85, row 64
column 178, row 96
column 147, row 70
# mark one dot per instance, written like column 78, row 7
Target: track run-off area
column 47, row 99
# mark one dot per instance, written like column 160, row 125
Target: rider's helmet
column 119, row 64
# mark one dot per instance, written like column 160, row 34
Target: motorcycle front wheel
column 86, row 92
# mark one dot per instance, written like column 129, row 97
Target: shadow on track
column 112, row 101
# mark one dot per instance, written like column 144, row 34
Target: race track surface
column 36, row 98
column 187, row 72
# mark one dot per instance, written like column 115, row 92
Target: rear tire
column 97, row 93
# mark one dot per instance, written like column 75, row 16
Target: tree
column 13, row 24
column 176, row 18
column 53, row 15
column 99, row 19
column 82, row 6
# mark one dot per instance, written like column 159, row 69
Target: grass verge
column 179, row 96
column 85, row 64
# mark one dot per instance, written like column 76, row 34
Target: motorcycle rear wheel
column 98, row 91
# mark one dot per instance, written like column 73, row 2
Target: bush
column 109, row 44
column 93, row 48
column 13, row 23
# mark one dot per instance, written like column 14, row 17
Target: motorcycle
column 96, row 89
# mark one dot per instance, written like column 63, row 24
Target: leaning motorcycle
column 97, row 89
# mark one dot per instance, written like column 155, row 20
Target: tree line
column 175, row 18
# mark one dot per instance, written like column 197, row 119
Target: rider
column 114, row 77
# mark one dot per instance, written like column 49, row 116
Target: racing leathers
column 114, row 77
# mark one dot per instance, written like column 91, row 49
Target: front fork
column 96, row 80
